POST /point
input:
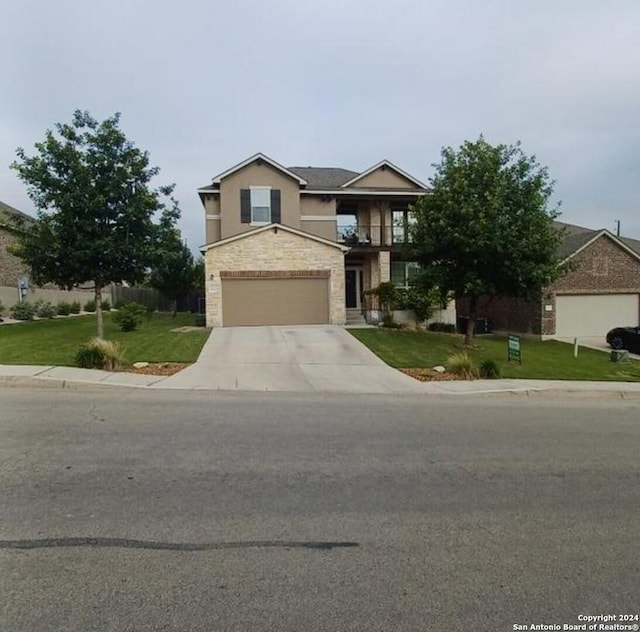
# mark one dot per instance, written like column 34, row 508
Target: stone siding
column 275, row 251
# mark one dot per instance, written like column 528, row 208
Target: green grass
column 550, row 360
column 55, row 342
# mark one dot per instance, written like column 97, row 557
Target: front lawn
column 55, row 342
column 550, row 360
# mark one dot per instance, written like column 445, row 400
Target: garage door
column 594, row 315
column 290, row 301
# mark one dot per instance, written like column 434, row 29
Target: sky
column 201, row 85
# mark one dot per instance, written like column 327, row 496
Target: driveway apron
column 311, row 358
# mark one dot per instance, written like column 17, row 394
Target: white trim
column 599, row 234
column 210, row 216
column 385, row 163
column 207, row 191
column 248, row 161
column 317, row 218
column 407, row 193
column 287, row 229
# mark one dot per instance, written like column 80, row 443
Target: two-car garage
column 274, row 275
column 276, row 299
column 582, row 315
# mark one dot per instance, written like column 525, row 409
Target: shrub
column 448, row 328
column 420, row 302
column 90, row 306
column 387, row 295
column 64, row 308
column 129, row 316
column 461, row 364
column 1, row 308
column 490, row 370
column 23, row 311
column 75, row 307
column 100, row 354
column 105, row 304
column 121, row 303
column 387, row 321
column 46, row 309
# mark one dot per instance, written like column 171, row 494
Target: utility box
column 619, row 355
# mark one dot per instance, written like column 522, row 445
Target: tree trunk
column 174, row 307
column 99, row 318
column 471, row 322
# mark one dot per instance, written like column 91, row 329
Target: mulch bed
column 429, row 375
column 160, row 368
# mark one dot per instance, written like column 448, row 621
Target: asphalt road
column 130, row 510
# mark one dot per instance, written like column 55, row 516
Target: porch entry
column 352, row 287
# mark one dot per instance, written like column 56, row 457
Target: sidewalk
column 69, row 376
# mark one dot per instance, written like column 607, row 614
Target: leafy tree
column 174, row 274
column 199, row 278
column 486, row 227
column 99, row 219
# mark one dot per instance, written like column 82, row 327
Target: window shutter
column 245, row 206
column 276, row 215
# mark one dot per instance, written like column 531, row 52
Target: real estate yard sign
column 513, row 348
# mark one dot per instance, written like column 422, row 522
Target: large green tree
column 487, row 227
column 174, row 273
column 99, row 218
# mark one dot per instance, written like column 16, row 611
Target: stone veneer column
column 374, row 223
column 384, row 263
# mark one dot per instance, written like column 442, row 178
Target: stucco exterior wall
column 212, row 218
column 384, row 177
column 256, row 174
column 271, row 250
column 318, row 216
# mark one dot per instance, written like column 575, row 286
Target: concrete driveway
column 595, row 342
column 299, row 358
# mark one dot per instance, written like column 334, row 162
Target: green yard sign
column 513, row 348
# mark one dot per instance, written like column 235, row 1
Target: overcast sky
column 202, row 85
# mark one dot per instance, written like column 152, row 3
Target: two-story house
column 300, row 245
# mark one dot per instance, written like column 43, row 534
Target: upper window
column 402, row 222
column 260, row 205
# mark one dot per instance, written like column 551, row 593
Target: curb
column 10, row 381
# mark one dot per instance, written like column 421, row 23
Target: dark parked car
column 625, row 338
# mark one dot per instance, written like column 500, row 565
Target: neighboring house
column 601, row 290
column 12, row 269
column 300, row 245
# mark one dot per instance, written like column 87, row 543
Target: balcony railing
column 353, row 235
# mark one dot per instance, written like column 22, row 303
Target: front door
column 352, row 288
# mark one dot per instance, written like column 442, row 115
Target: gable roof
column 576, row 243
column 254, row 158
column 8, row 213
column 324, row 177
column 577, row 238
column 388, row 165
column 262, row 229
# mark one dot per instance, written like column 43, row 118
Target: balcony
column 371, row 236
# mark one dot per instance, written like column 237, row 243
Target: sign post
column 513, row 348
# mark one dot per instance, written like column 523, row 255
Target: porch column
column 374, row 218
column 385, row 266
